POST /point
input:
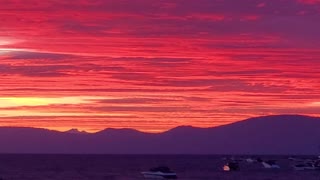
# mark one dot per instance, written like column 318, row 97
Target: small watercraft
column 161, row 172
column 250, row 160
column 231, row 166
column 302, row 167
column 270, row 164
column 309, row 165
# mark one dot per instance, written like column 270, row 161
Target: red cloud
column 156, row 65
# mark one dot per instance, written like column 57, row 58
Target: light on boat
column 226, row 168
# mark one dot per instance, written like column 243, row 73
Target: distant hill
column 282, row 134
column 75, row 131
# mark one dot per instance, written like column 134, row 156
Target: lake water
column 126, row 167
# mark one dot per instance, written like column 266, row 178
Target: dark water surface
column 126, row 167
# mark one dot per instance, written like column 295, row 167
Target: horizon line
column 79, row 131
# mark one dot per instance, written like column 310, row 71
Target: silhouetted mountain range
column 75, row 131
column 282, row 134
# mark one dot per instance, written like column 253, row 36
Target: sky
column 153, row 65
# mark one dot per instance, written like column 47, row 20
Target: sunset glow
column 38, row 101
column 155, row 65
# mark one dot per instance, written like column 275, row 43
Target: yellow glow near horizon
column 7, row 50
column 16, row 102
column 7, row 102
column 32, row 113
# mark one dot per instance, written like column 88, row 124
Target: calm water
column 85, row 167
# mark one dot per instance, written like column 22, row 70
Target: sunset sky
column 156, row 64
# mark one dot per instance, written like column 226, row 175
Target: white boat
column 159, row 173
column 250, row 160
column 294, row 159
column 270, row 165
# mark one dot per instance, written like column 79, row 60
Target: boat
column 231, row 166
column 270, row 164
column 293, row 159
column 250, row 160
column 309, row 165
column 302, row 167
column 161, row 172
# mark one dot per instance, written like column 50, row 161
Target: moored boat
column 231, row 166
column 308, row 165
column 162, row 172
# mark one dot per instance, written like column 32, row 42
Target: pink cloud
column 157, row 65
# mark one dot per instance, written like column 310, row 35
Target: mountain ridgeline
column 274, row 135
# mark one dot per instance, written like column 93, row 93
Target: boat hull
column 159, row 175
